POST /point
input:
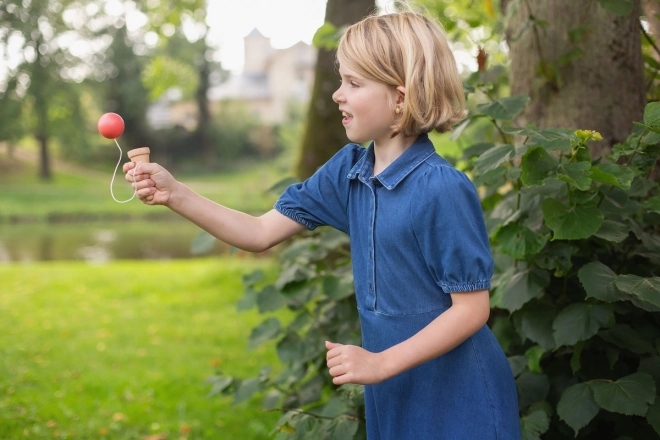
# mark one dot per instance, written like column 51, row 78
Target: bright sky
column 285, row 22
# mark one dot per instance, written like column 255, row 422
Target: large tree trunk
column 602, row 90
column 324, row 134
column 204, row 114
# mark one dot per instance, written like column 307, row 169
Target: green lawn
column 121, row 351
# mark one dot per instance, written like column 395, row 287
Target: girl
column 421, row 257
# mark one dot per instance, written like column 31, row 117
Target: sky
column 285, row 22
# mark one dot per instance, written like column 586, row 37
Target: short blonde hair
column 408, row 49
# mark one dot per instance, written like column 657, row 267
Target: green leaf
column 458, row 129
column 537, row 319
column 571, row 222
column 624, row 336
column 290, row 348
column 653, row 416
column 269, row 300
column 579, row 322
column 534, row 355
column 550, row 139
column 248, row 300
column 279, row 186
column 521, row 287
column 506, row 108
column 646, row 289
column 618, row 7
column 630, row 395
column 575, row 173
column 613, row 231
column 338, row 288
column 326, row 37
column 532, row 387
column 517, row 364
column 246, row 389
column 476, row 149
column 519, row 241
column 268, row 329
column 533, row 425
column 577, row 406
column 598, row 281
column 202, row 243
column 344, row 428
column 492, row 158
column 652, row 114
column 537, row 165
column 653, row 204
column 612, row 174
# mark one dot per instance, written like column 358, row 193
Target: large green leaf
column 653, row 204
column 269, row 300
column 506, row 108
column 537, row 165
column 653, row 416
column 290, row 348
column 624, row 336
column 599, row 282
column 612, row 174
column 202, row 243
column 519, row 241
column 533, row 425
column 579, row 322
column 630, row 395
column 652, row 114
column 521, row 287
column 536, row 322
column 613, row 231
column 495, row 156
column 571, row 222
column 646, row 289
column 268, row 329
column 577, row 406
column 338, row 288
column 344, row 428
column 532, row 387
column 550, row 139
column 618, row 7
column 575, row 173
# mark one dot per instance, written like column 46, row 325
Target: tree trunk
column 602, row 90
column 324, row 134
column 39, row 92
column 204, row 114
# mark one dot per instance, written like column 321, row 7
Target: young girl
column 421, row 257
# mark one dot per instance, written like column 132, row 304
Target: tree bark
column 601, row 90
column 324, row 134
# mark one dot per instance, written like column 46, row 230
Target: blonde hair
column 408, row 49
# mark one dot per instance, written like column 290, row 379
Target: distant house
column 271, row 79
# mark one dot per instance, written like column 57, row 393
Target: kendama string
column 115, row 173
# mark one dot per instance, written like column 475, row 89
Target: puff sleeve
column 322, row 199
column 450, row 230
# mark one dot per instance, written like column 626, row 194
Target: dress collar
column 410, row 159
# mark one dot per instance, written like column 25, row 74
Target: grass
column 121, row 351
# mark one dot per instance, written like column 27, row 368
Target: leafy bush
column 575, row 292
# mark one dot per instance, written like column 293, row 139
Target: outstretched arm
column 351, row 364
column 156, row 186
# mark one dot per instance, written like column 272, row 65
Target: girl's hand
column 352, row 364
column 154, row 183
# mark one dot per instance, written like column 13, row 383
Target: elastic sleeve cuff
column 293, row 215
column 467, row 287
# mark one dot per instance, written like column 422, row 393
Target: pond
column 99, row 242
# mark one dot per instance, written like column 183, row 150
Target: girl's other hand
column 154, row 183
column 352, row 364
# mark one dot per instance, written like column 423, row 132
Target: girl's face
column 367, row 107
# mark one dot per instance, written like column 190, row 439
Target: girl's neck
column 389, row 150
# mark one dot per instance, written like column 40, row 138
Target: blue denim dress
column 417, row 234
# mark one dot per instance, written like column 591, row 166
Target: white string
column 115, row 173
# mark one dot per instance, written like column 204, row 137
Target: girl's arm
column 156, row 186
column 351, row 364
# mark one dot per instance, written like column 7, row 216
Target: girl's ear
column 401, row 94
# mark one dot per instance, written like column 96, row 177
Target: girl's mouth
column 347, row 118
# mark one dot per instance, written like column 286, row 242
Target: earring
column 397, row 110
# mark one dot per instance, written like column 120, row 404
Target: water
column 100, row 242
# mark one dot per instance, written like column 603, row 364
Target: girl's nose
column 337, row 96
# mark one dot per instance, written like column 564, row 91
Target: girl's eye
column 353, row 84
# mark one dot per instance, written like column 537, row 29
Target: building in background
column 271, row 80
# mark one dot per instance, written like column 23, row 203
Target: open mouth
column 347, row 117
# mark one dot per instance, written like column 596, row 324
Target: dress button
column 371, row 287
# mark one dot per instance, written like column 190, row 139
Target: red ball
column 111, row 125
